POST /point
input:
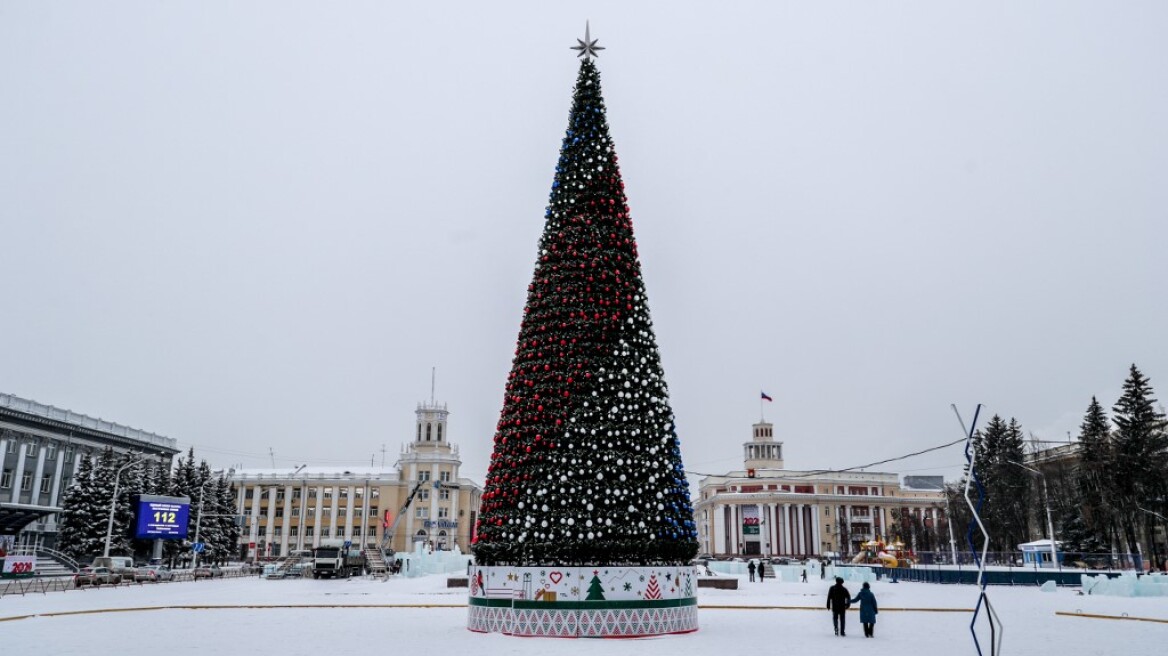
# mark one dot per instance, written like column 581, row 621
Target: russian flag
column 765, row 397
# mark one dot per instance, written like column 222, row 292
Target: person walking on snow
column 761, row 571
column 750, row 568
column 838, row 599
column 868, row 610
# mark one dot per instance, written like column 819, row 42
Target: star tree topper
column 587, row 47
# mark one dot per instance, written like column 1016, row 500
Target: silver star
column 588, row 46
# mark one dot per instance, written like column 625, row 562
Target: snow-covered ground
column 423, row 616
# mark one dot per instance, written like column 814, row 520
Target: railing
column 1067, row 560
column 46, row 584
column 28, row 550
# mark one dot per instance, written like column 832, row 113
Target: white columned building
column 789, row 505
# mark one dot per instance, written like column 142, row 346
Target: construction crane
column 387, row 538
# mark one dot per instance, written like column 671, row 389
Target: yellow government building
column 287, row 510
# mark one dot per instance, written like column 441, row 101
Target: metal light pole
column 109, row 528
column 199, row 520
column 1153, row 531
column 300, row 511
column 949, row 523
column 1046, row 504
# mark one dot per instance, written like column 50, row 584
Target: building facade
column 767, row 510
column 41, row 448
column 293, row 510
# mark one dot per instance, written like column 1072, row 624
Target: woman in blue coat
column 868, row 610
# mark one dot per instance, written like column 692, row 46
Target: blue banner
column 163, row 518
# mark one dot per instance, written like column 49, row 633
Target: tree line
column 1108, row 497
column 86, row 507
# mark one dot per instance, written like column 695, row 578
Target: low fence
column 1067, row 560
column 994, row 576
column 46, row 584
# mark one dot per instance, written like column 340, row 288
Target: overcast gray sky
column 254, row 225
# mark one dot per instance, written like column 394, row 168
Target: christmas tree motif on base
column 653, row 591
column 586, row 472
column 595, row 589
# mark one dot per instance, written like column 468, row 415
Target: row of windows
column 33, row 448
column 313, row 492
column 325, row 531
column 420, row 513
column 343, row 492
column 430, row 432
column 26, row 481
column 311, row 512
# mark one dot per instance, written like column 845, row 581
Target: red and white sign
column 18, row 565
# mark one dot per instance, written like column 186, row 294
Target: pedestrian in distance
column 750, row 568
column 838, row 599
column 761, row 571
column 805, row 574
column 822, row 570
column 868, row 610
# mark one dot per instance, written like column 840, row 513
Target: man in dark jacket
column 838, row 599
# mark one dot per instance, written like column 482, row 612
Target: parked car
column 96, row 576
column 120, row 565
column 153, row 574
column 207, row 572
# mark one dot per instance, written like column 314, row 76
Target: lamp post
column 300, row 510
column 1153, row 532
column 109, row 528
column 949, row 524
column 1046, row 504
column 199, row 520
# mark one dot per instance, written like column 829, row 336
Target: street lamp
column 109, row 528
column 949, row 523
column 1046, row 504
column 300, row 510
column 199, row 520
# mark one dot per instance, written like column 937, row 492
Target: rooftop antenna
column 433, row 377
column 383, row 455
column 272, row 452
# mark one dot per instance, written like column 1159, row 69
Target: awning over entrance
column 15, row 516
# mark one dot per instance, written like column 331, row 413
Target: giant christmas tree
column 586, row 465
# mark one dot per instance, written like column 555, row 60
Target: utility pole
column 949, row 523
column 1045, row 502
column 109, row 528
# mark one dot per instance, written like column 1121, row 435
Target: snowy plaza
column 422, row 615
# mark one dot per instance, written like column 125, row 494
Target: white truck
column 336, row 559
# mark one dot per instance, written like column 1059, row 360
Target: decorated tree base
column 583, row 602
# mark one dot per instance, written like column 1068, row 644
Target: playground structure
column 893, row 554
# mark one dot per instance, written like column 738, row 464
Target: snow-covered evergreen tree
column 81, row 528
column 999, row 446
column 183, row 483
column 1140, row 457
column 226, row 520
column 1095, row 479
